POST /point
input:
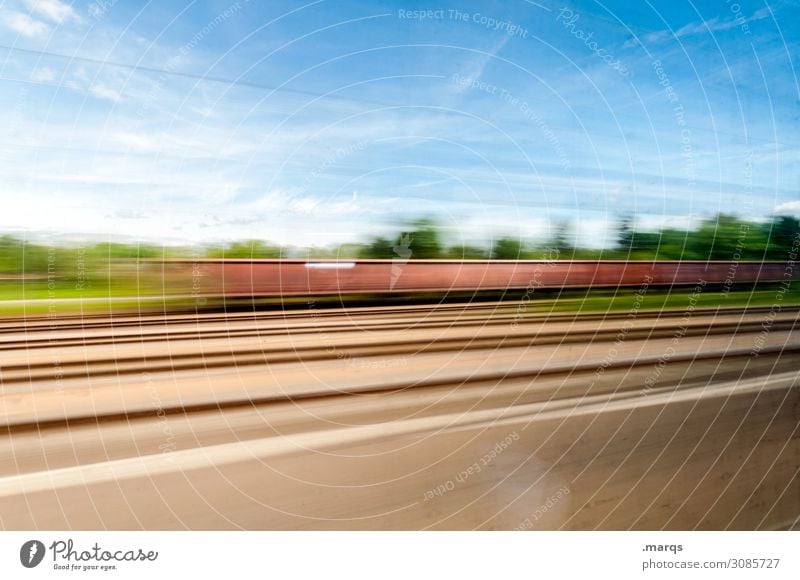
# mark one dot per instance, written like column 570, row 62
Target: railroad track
column 64, row 332
column 354, row 419
column 442, row 310
column 214, row 349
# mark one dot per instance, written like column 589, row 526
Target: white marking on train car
column 330, row 264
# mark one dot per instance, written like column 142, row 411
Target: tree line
column 723, row 237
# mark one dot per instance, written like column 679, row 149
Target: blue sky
column 322, row 122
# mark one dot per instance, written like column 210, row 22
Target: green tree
column 560, row 241
column 252, row 249
column 507, row 248
column 378, row 248
column 423, row 241
column 467, row 252
column 781, row 234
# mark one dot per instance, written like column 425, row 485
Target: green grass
column 61, row 291
column 675, row 299
column 65, row 299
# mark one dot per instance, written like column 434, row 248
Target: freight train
column 298, row 277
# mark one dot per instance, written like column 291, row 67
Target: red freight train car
column 232, row 278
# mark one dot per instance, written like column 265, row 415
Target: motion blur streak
column 402, row 418
column 298, row 277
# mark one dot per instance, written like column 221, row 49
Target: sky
column 323, row 122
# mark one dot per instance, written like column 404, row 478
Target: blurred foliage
column 252, row 249
column 22, row 258
column 467, row 252
column 423, row 241
column 723, row 238
column 378, row 248
column 507, row 249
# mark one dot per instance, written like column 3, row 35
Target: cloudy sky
column 322, row 122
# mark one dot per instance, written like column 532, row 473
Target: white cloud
column 42, row 75
column 479, row 64
column 654, row 223
column 593, row 232
column 632, row 42
column 712, row 25
column 23, row 23
column 699, row 27
column 137, row 141
column 649, row 38
column 305, row 205
column 761, row 13
column 52, row 9
column 788, row 207
column 287, row 202
column 102, row 91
